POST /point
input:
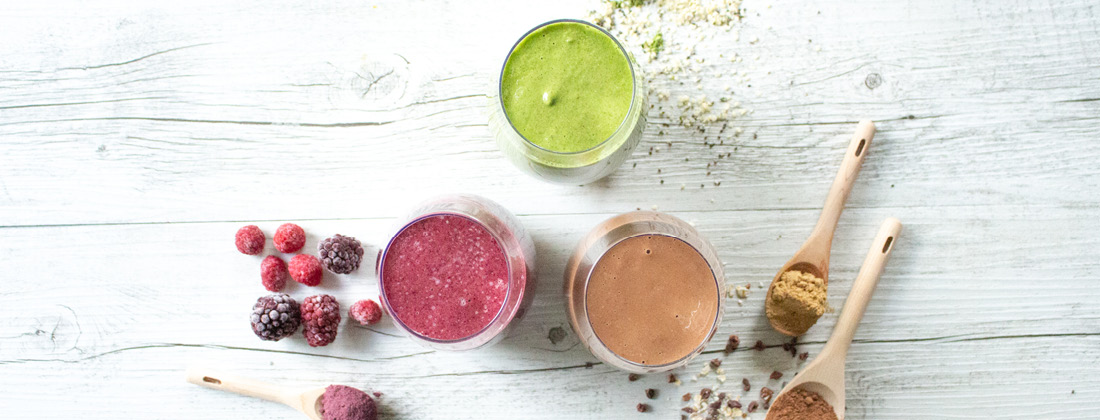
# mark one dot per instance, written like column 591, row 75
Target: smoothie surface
column 445, row 277
column 652, row 299
column 567, row 87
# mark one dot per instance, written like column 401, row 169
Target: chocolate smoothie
column 652, row 299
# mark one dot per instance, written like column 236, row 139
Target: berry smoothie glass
column 457, row 273
column 570, row 104
column 644, row 292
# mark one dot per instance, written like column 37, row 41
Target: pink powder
column 346, row 403
column 445, row 277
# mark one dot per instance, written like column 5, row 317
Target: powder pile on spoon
column 346, row 403
column 800, row 404
column 797, row 300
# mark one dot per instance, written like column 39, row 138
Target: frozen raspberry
column 250, row 240
column 306, row 269
column 275, row 317
column 367, row 312
column 273, row 273
column 289, row 238
column 340, row 254
column 320, row 316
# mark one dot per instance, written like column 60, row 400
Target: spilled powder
column 800, row 404
column 797, row 300
column 346, row 403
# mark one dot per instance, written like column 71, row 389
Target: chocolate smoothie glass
column 457, row 272
column 643, row 292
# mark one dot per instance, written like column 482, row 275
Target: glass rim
column 406, row 327
column 633, row 90
column 714, row 321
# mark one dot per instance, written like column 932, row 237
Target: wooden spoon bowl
column 813, row 256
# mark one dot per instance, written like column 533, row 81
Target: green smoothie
column 567, row 87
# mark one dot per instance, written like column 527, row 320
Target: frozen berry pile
column 278, row 316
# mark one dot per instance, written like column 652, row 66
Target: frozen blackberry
column 367, row 312
column 250, row 240
column 289, row 238
column 275, row 317
column 321, row 317
column 340, row 254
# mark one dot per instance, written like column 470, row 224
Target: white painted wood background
column 136, row 137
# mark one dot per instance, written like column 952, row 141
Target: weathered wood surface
column 136, row 138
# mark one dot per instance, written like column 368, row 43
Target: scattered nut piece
column 766, row 394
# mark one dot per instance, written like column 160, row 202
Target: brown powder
column 797, row 300
column 800, row 404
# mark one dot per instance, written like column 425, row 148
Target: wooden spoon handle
column 219, row 380
column 842, row 184
column 862, row 289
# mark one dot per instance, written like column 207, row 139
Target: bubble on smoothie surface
column 346, row 403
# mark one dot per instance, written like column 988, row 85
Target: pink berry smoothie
column 445, row 277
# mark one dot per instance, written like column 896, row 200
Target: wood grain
column 136, row 138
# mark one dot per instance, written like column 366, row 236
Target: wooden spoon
column 306, row 401
column 813, row 256
column 825, row 374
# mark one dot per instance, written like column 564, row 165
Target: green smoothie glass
column 569, row 105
